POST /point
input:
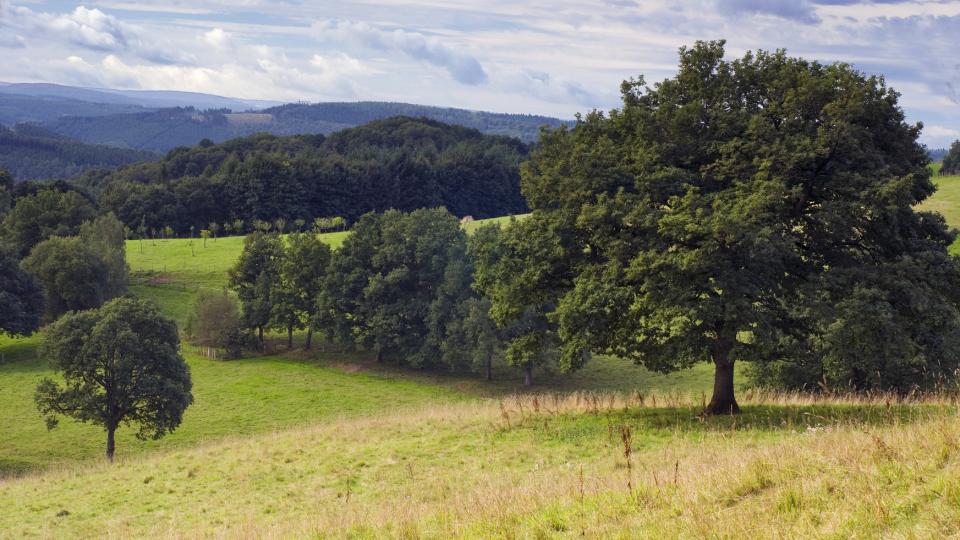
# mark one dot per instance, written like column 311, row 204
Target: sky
column 556, row 57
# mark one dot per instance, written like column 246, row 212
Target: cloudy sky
column 548, row 57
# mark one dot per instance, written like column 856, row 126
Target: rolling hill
column 401, row 163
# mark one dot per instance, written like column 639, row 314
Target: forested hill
column 164, row 129
column 401, row 163
column 28, row 152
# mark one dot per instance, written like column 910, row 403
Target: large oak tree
column 747, row 209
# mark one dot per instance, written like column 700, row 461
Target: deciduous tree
column 216, row 322
column 746, row 210
column 255, row 277
column 47, row 213
column 120, row 365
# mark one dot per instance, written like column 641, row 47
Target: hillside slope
column 532, row 467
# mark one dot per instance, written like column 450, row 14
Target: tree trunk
column 110, row 442
column 528, row 376
column 489, row 368
column 309, row 342
column 723, row 400
column 260, row 335
column 379, row 356
column 290, row 337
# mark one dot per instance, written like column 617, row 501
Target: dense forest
column 29, row 152
column 165, row 129
column 400, row 163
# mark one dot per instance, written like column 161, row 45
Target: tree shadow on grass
column 21, row 356
column 756, row 420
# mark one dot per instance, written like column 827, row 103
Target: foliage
column 730, row 213
column 255, row 278
column 30, row 152
column 520, row 269
column 398, row 163
column 215, row 322
column 6, row 192
column 42, row 215
column 395, row 281
column 72, row 275
column 106, row 237
column 21, row 298
column 120, row 364
column 80, row 272
column 302, row 270
column 951, row 160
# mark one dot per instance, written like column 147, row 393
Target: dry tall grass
column 538, row 466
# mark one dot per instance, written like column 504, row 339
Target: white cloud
column 463, row 67
column 218, row 38
column 12, row 41
column 91, row 29
column 940, row 131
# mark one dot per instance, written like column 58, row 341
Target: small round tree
column 120, row 365
column 215, row 322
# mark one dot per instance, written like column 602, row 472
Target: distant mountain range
column 158, row 121
column 149, row 99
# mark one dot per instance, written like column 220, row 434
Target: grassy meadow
column 329, row 444
column 946, row 201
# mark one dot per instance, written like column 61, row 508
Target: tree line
column 951, row 160
column 411, row 287
column 131, row 127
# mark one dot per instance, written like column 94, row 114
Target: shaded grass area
column 601, row 374
column 531, row 467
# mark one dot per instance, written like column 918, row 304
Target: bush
column 215, row 322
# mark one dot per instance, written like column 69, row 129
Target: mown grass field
column 335, row 445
